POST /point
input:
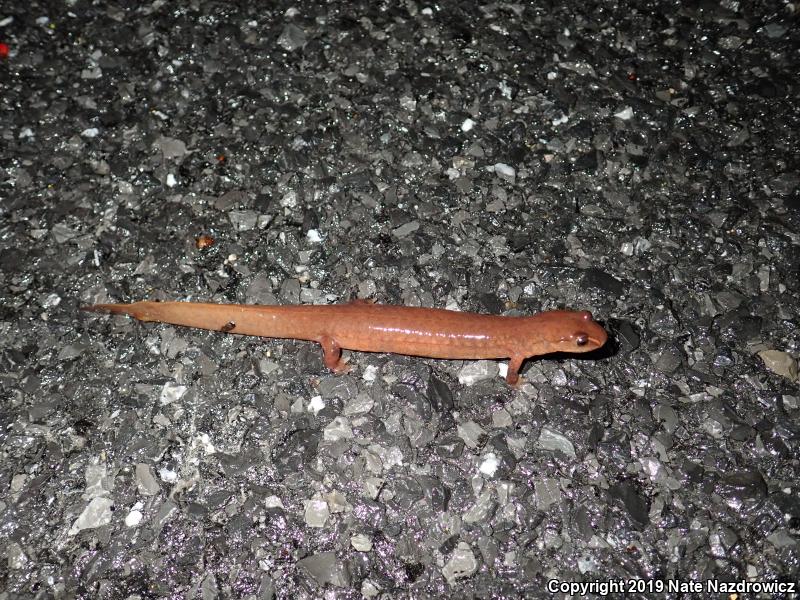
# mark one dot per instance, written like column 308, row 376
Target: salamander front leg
column 332, row 355
column 512, row 375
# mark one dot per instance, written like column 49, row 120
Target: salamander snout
column 572, row 331
column 583, row 334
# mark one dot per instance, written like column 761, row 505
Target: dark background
column 636, row 159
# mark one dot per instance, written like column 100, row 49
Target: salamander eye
column 582, row 339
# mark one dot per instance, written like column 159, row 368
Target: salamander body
column 367, row 327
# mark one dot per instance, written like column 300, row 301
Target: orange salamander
column 367, row 327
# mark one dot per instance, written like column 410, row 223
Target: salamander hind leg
column 512, row 375
column 332, row 355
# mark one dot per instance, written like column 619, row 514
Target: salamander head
column 570, row 331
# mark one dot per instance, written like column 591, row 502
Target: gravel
column 501, row 158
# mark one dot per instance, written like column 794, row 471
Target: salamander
column 368, row 327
